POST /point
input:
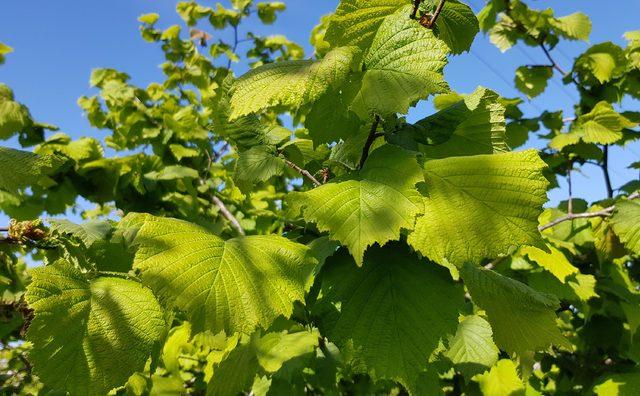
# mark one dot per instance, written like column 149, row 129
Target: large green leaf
column 403, row 65
column 626, row 224
column 480, row 206
column 232, row 285
column 20, row 169
column 81, row 327
column 389, row 315
column 371, row 206
column 474, row 125
column 355, row 22
column 553, row 261
column 522, row 319
column 472, row 349
column 258, row 164
column 602, row 125
column 457, row 25
column 14, row 117
column 290, row 83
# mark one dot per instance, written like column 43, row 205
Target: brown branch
column 4, row 229
column 554, row 64
column 303, row 172
column 570, row 202
column 372, row 137
column 606, row 212
column 436, row 13
column 227, row 214
column 416, row 6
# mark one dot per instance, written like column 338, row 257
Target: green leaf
column 501, row 380
column 353, row 209
column 355, row 22
column 554, row 261
column 235, row 373
column 232, row 285
column 473, row 125
column 472, row 349
column 267, row 11
column 4, row 49
column 457, row 25
column 172, row 172
column 258, row 164
column 88, row 232
column 290, row 83
column 20, row 169
column 14, row 117
column 149, row 19
column 602, row 125
column 626, row 224
column 480, row 207
column 81, row 327
column 274, row 349
column 532, row 80
column 523, row 320
column 403, row 65
column 386, row 330
column 576, row 26
column 625, row 384
column 503, row 35
column 601, row 62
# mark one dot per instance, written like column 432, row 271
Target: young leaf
column 352, row 210
column 576, row 26
column 501, row 380
column 532, row 80
column 290, row 83
column 555, row 261
column 88, row 232
column 480, row 206
column 472, row 349
column 601, row 62
column 522, row 319
column 258, row 164
column 81, row 327
column 232, row 285
column 388, row 331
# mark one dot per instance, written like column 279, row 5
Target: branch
column 554, row 64
column 4, row 229
column 228, row 215
column 372, row 137
column 605, row 170
column 436, row 13
column 416, row 6
column 303, row 172
column 606, row 212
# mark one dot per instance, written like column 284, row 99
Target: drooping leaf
column 232, row 285
column 81, row 327
column 474, row 125
column 88, row 232
column 472, row 349
column 532, row 80
column 355, row 22
column 522, row 319
column 352, row 210
column 20, row 169
column 290, row 83
column 480, row 206
column 403, row 65
column 626, row 224
column 388, row 331
column 501, row 380
column 14, row 117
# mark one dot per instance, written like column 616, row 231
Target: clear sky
column 57, row 43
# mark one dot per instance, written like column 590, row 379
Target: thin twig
column 436, row 13
column 370, row 139
column 4, row 229
column 227, row 214
column 303, row 172
column 606, row 212
column 605, row 170
column 570, row 202
column 553, row 62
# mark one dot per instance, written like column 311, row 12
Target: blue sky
column 57, row 43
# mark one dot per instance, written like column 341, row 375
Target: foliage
column 288, row 231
